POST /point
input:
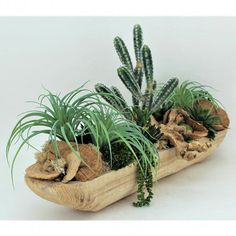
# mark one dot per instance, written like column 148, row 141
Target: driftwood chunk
column 177, row 125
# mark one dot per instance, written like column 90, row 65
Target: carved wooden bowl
column 112, row 186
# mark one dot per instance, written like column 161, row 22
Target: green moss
column 121, row 155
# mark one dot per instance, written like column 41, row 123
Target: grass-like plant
column 59, row 118
column 188, row 93
column 80, row 115
column 146, row 102
column 112, row 128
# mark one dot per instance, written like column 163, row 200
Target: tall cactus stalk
column 148, row 101
column 123, row 53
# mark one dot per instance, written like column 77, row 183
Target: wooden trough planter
column 112, row 186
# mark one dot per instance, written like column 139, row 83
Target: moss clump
column 121, row 155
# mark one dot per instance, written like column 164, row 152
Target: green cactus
column 144, row 103
column 114, row 98
column 138, row 42
column 129, row 81
column 148, row 67
column 164, row 93
column 123, row 53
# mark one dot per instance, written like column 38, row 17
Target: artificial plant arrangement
column 100, row 149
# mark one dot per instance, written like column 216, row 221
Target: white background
column 62, row 53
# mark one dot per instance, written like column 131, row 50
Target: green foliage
column 140, row 116
column 205, row 117
column 114, row 97
column 158, row 114
column 189, row 92
column 152, row 133
column 185, row 96
column 148, row 102
column 163, row 94
column 123, row 53
column 144, row 183
column 80, row 117
column 130, row 82
column 121, row 155
column 148, row 67
column 59, row 119
column 125, row 143
column 138, row 42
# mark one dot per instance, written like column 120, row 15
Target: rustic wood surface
column 98, row 193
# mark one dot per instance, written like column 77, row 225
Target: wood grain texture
column 110, row 187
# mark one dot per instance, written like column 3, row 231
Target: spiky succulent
column 205, row 117
column 146, row 102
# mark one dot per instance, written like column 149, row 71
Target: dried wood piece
column 72, row 164
column 93, row 161
column 37, row 171
column 177, row 125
